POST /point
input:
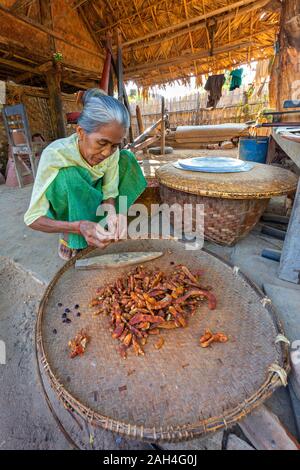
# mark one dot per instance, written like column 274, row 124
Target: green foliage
column 57, row 56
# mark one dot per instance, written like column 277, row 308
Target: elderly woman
column 78, row 173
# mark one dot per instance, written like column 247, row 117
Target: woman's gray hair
column 100, row 109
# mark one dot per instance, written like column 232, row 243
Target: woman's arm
column 111, row 201
column 91, row 231
column 45, row 224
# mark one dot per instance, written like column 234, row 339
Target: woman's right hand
column 94, row 234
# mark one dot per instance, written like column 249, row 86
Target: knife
column 117, row 260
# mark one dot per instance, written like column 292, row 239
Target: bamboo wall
column 37, row 107
column 191, row 110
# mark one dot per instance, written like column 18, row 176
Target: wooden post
column 53, row 78
column 285, row 75
column 139, row 119
column 120, row 67
column 111, row 83
column 122, row 95
column 163, row 127
column 140, row 124
column 289, row 269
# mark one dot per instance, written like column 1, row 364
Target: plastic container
column 254, row 149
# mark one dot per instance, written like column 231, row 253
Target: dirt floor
column 28, row 261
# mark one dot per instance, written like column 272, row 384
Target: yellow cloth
column 64, row 153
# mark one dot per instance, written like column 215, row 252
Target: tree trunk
column 285, row 75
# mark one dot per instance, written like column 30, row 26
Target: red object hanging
column 105, row 72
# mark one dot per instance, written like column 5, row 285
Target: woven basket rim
column 179, row 180
column 168, row 434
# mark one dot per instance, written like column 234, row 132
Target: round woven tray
column 182, row 390
column 233, row 202
column 262, row 182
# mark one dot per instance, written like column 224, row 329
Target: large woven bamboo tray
column 182, row 390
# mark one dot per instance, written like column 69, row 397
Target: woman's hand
column 117, row 225
column 94, row 234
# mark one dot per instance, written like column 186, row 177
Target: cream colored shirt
column 63, row 153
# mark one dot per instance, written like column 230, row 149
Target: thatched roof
column 172, row 39
column 161, row 40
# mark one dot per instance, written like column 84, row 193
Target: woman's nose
column 107, row 151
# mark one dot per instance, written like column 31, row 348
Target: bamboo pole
column 140, row 124
column 88, row 26
column 163, row 126
column 120, row 68
column 139, row 119
column 190, row 21
column 206, row 67
column 186, row 58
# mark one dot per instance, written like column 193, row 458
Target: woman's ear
column 80, row 132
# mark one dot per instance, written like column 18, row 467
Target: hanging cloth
column 262, row 71
column 214, row 86
column 236, row 79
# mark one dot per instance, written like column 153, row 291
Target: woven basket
column 151, row 195
column 233, row 202
column 225, row 220
column 181, row 391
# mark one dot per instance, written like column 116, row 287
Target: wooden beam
column 88, row 26
column 189, row 57
column 200, row 25
column 79, row 4
column 264, row 430
column 49, row 31
column 124, row 19
column 188, row 22
column 20, row 4
column 79, row 85
column 168, row 77
column 22, row 51
column 39, row 70
column 46, row 18
column 199, row 55
column 16, row 65
column 34, row 66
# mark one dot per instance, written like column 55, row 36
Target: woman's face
column 100, row 144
